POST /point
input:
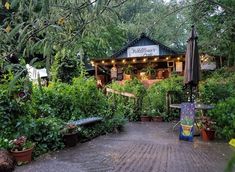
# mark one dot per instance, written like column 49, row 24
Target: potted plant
column 157, row 116
column 145, row 117
column 149, row 71
column 208, row 129
column 70, row 135
column 21, row 149
column 127, row 72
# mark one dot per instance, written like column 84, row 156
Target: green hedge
column 42, row 116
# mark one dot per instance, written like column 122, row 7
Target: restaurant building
column 144, row 58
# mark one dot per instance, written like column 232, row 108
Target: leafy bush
column 130, row 107
column 55, row 101
column 45, row 132
column 224, row 115
column 218, row 87
column 155, row 98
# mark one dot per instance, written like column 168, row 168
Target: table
column 198, row 106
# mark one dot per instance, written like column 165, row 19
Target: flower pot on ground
column 21, row 150
column 207, row 135
column 208, row 129
column 70, row 135
column 23, row 157
column 145, row 118
column 156, row 116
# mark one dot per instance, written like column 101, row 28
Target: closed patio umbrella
column 192, row 63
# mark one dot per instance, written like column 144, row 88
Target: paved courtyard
column 141, row 147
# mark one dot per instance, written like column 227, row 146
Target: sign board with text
column 140, row 51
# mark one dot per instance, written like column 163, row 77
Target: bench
column 87, row 121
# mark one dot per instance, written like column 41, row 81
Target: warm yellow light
column 178, row 58
column 102, row 61
column 113, row 61
column 124, row 61
column 167, row 58
column 155, row 59
column 134, row 60
column 145, row 60
column 92, row 63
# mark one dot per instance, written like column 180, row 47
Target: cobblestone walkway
column 142, row 147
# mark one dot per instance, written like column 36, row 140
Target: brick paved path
column 142, row 147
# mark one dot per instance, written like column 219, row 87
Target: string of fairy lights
column 135, row 60
column 204, row 58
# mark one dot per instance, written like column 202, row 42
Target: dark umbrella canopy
column 192, row 61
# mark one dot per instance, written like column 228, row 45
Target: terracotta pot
column 160, row 74
column 207, row 135
column 24, row 156
column 157, row 118
column 127, row 77
column 70, row 139
column 145, row 118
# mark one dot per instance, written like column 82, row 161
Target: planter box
column 157, row 119
column 145, row 118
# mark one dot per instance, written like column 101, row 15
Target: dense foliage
column 155, row 102
column 132, row 105
column 219, row 90
column 42, row 116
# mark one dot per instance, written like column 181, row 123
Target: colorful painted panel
column 186, row 121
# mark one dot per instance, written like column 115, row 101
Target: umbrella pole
column 191, row 93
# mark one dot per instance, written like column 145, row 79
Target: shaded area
column 141, row 147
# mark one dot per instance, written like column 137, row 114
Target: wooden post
column 96, row 71
column 221, row 62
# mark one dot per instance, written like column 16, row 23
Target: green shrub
column 45, row 132
column 130, row 107
column 218, row 87
column 55, row 101
column 224, row 115
column 155, row 98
